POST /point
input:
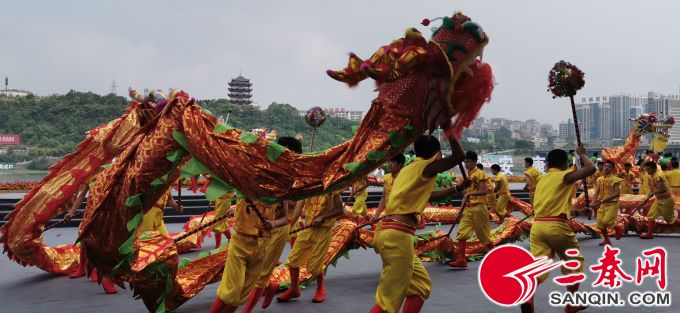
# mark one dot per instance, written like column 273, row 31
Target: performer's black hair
column 557, row 158
column 291, row 143
column 426, row 146
column 399, row 158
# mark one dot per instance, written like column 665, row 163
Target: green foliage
column 283, row 118
column 504, row 133
column 40, row 163
column 54, row 125
column 524, row 146
column 501, row 140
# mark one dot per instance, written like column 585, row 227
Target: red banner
column 9, row 139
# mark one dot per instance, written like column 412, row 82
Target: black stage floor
column 350, row 286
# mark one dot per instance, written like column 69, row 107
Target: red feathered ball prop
column 471, row 92
column 565, row 79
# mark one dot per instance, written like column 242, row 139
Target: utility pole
column 113, row 87
column 6, row 88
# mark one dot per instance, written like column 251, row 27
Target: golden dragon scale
column 151, row 143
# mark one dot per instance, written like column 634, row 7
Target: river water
column 18, row 176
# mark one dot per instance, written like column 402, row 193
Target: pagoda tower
column 240, row 91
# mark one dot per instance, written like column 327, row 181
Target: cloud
column 284, row 47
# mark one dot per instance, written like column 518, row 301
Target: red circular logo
column 508, row 273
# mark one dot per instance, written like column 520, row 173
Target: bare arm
column 497, row 186
column 171, row 203
column 586, row 170
column 443, row 193
column 82, row 192
column 444, row 164
column 282, row 215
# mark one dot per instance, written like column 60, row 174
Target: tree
column 504, row 133
column 54, row 125
column 524, row 146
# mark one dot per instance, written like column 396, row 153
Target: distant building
column 622, row 106
column 240, row 91
column 671, row 104
column 356, row 116
column 594, row 118
column 585, row 121
column 15, row 93
column 567, row 130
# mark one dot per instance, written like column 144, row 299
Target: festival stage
column 351, row 284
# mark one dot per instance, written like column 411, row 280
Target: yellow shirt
column 656, row 181
column 504, row 190
column 552, row 196
column 388, row 181
column 628, row 177
column 605, row 186
column 318, row 205
column 673, row 178
column 410, row 190
column 477, row 179
column 644, row 182
column 490, row 183
column 533, row 174
column 246, row 220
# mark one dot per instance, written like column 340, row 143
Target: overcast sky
column 284, row 47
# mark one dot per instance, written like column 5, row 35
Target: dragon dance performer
column 592, row 180
column 673, row 177
column 490, row 190
column 246, row 252
column 531, row 175
column 394, row 166
column 644, row 177
column 475, row 215
column 403, row 275
column 607, row 192
column 153, row 218
column 629, row 178
column 360, row 194
column 222, row 207
column 550, row 232
column 274, row 245
column 312, row 243
column 108, row 284
column 502, row 190
column 664, row 205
